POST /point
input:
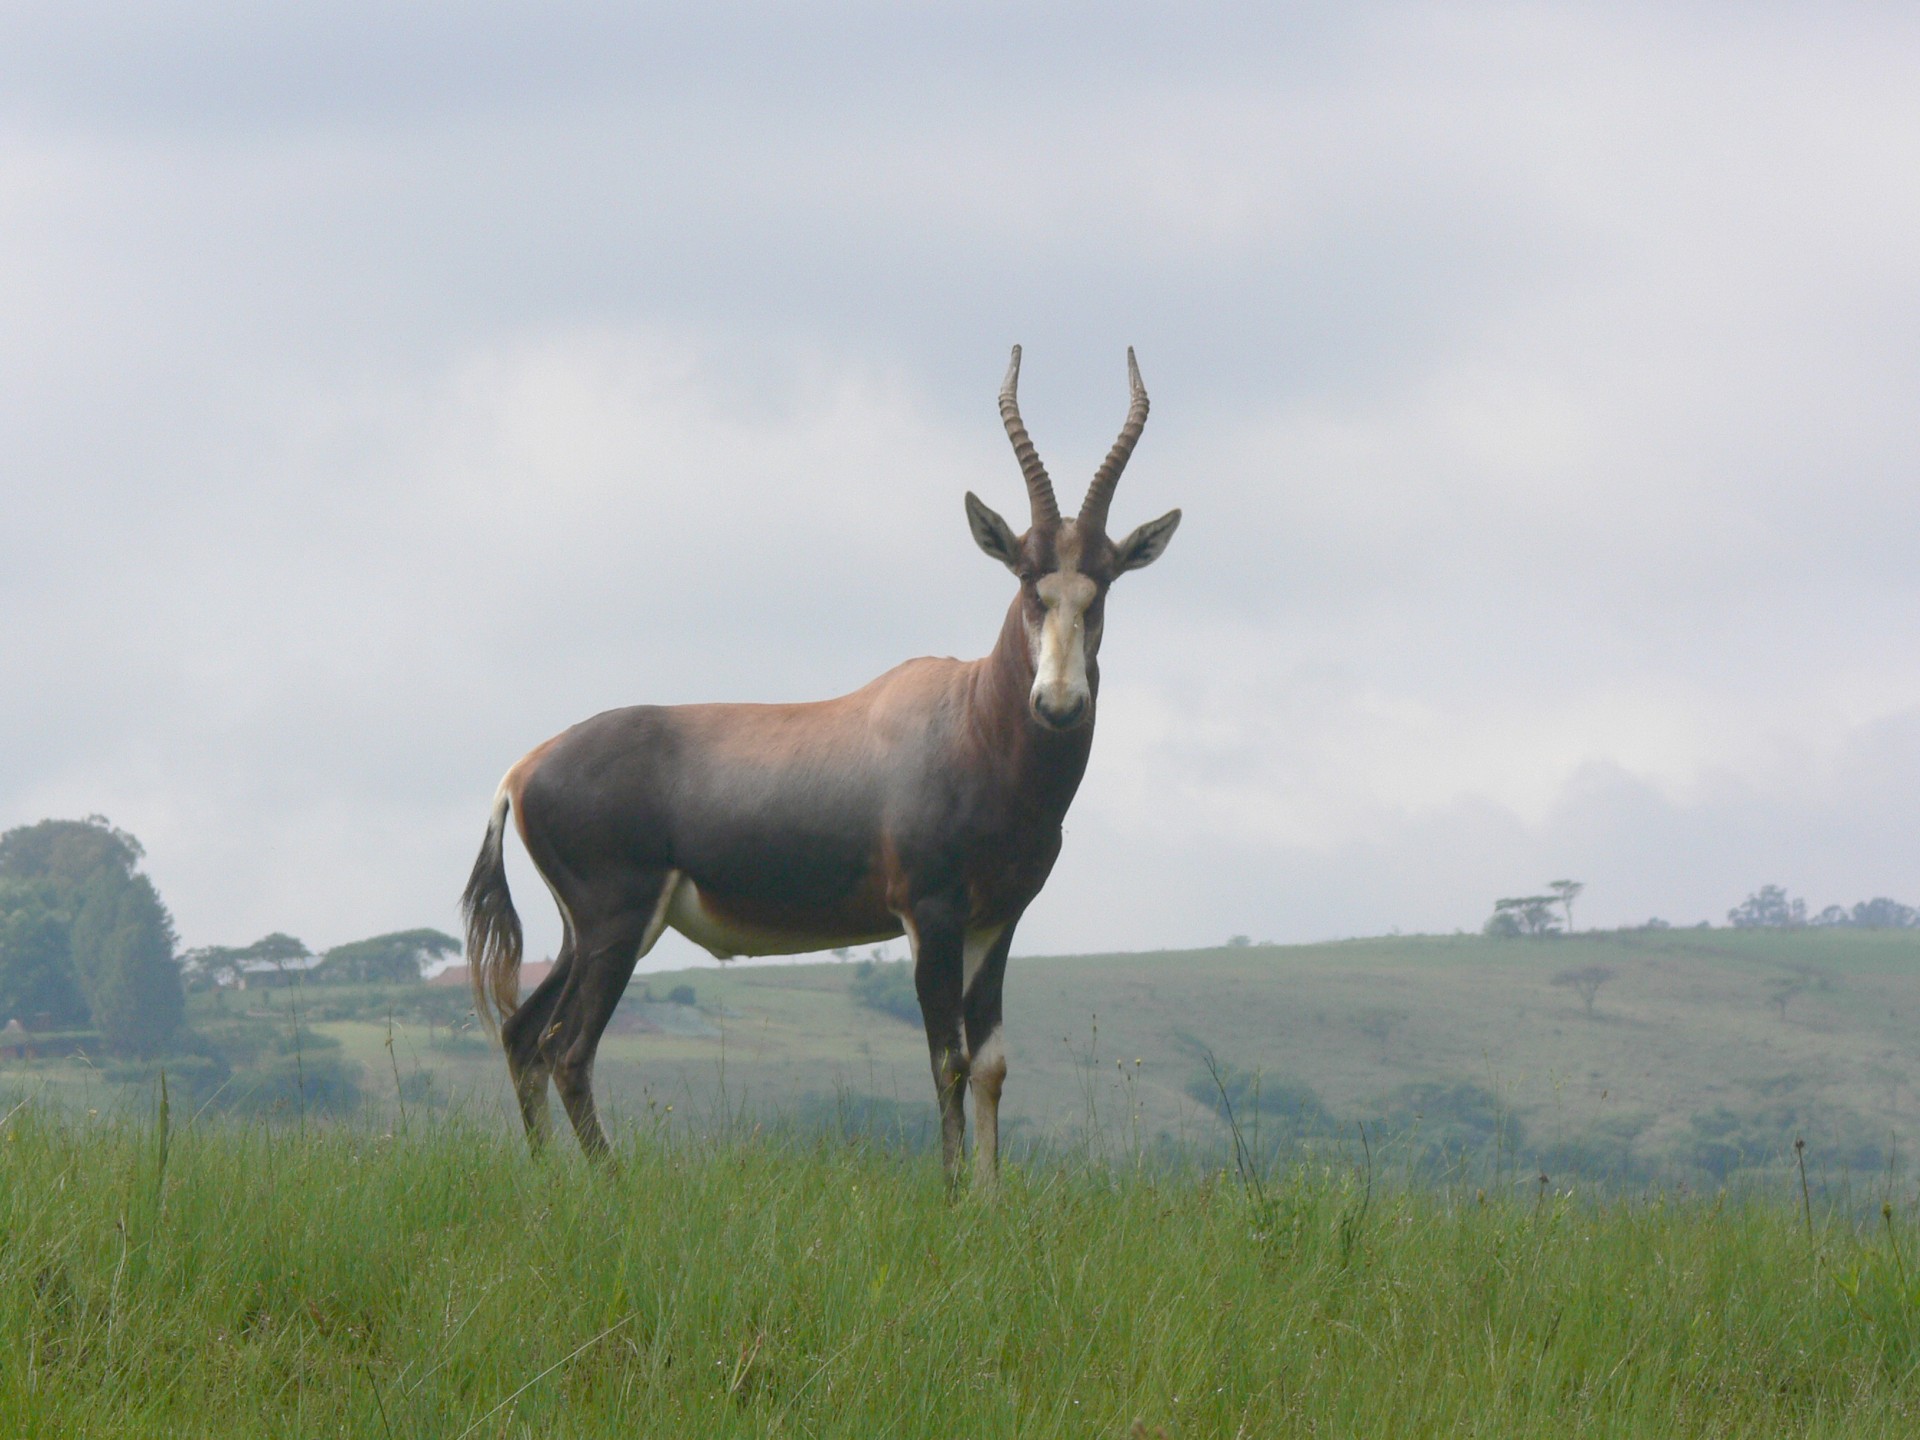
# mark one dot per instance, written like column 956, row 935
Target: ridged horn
column 1046, row 510
column 1093, row 511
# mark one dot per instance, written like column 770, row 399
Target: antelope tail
column 493, row 929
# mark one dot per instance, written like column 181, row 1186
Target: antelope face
column 1065, row 571
column 1064, row 613
column 1066, row 566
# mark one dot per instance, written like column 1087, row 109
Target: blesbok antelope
column 928, row 803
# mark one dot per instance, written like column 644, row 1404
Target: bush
column 238, row 1042
column 303, row 1042
column 888, row 988
column 460, row 1042
column 192, row 1080
column 1447, row 1121
column 880, row 1120
column 288, row 1087
column 1723, row 1141
column 680, row 995
column 1293, row 1105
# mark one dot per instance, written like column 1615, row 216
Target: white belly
column 725, row 939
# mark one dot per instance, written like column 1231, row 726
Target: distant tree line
column 397, row 958
column 1768, row 908
column 1771, row 908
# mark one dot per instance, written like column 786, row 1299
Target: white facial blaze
column 1060, row 662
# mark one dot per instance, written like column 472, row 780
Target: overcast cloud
column 381, row 392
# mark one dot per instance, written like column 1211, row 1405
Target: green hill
column 1704, row 1053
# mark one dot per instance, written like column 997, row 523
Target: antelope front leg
column 986, row 970
column 935, row 929
column 988, row 1073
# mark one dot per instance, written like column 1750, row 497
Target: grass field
column 408, row 1271
column 432, row 1281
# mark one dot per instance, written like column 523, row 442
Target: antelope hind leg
column 607, row 954
column 526, row 1039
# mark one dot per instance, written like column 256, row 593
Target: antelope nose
column 1063, row 716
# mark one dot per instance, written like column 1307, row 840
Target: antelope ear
column 1144, row 545
column 992, row 534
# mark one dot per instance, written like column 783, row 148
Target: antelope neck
column 1045, row 765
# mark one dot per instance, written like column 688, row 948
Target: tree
column 67, row 853
column 1568, row 891
column 38, row 986
column 1768, row 908
column 212, row 965
column 1530, row 915
column 279, row 948
column 1585, row 980
column 123, row 948
column 400, row 957
column 1784, row 989
column 78, row 880
column 1879, row 913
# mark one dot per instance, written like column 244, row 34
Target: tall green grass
column 213, row 1281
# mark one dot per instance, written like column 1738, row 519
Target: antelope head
column 1065, row 566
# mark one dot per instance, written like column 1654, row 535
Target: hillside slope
column 1703, row 1054
column 1703, row 1050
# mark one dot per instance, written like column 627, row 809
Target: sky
column 385, row 388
